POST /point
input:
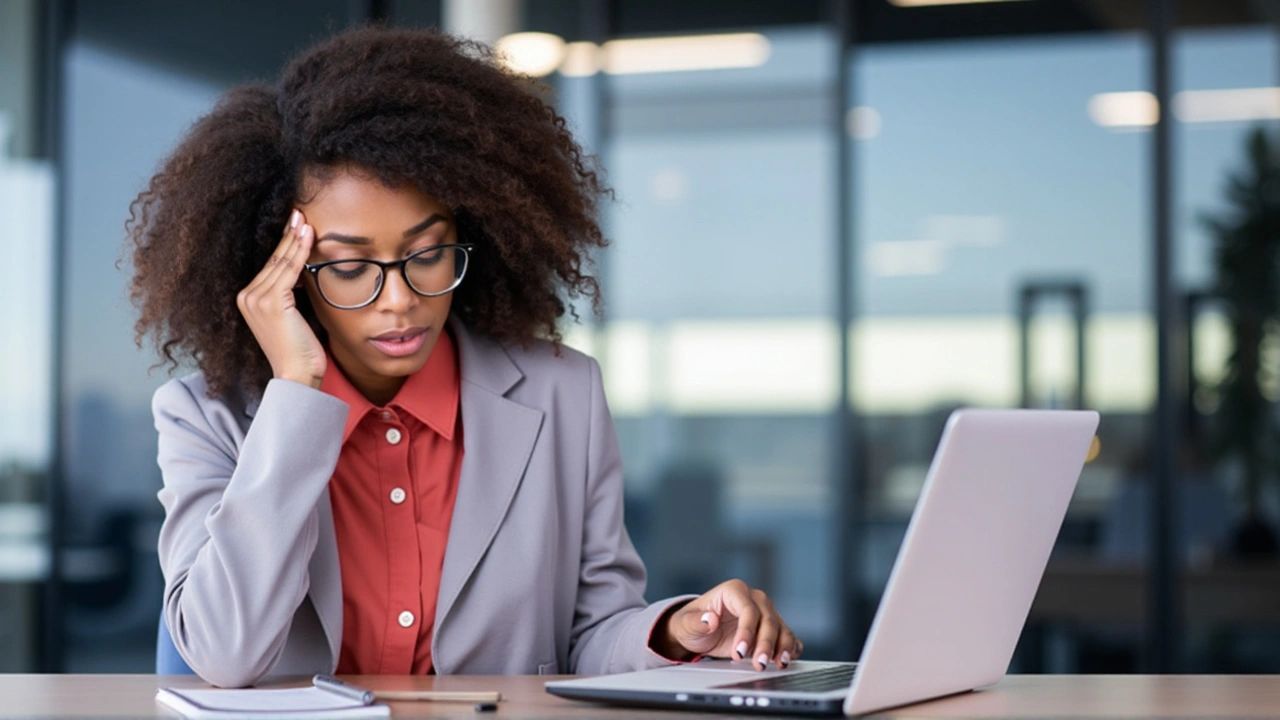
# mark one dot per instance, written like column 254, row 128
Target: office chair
column 168, row 660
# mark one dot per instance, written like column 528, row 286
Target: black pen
column 347, row 690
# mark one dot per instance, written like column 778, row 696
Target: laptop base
column 695, row 700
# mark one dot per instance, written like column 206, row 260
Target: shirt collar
column 429, row 395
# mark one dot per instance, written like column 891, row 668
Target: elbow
column 228, row 666
column 227, row 661
column 227, row 676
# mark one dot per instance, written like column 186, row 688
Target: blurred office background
column 837, row 221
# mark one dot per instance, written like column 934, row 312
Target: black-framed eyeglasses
column 353, row 284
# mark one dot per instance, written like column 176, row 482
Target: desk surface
column 1167, row 696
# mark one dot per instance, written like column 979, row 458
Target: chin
column 401, row 366
column 398, row 367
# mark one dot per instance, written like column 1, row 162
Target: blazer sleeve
column 240, row 528
column 612, row 623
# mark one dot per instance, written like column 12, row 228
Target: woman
column 387, row 462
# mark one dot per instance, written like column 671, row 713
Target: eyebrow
column 361, row 240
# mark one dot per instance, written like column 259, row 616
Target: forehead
column 356, row 202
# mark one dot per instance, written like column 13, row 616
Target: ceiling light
column 531, row 53
column 1139, row 109
column 1124, row 109
column 581, row 59
column 680, row 54
column 1233, row 105
column 863, row 122
column 896, row 258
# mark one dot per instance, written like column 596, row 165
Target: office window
column 1225, row 91
column 26, row 322
column 719, row 350
column 994, row 213
column 136, row 74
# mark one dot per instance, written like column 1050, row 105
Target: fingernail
column 742, row 649
column 762, row 659
column 294, row 218
column 786, row 658
column 706, row 618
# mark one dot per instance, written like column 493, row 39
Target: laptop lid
column 966, row 573
column 973, row 555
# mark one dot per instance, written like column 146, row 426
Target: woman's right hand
column 268, row 305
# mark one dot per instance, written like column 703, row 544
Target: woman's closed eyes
column 347, row 252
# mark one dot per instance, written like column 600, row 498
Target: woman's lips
column 400, row 344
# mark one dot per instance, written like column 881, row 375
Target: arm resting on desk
column 241, row 527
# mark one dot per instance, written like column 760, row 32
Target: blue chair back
column 168, row 660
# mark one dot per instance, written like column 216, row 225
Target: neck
column 381, row 394
column 377, row 389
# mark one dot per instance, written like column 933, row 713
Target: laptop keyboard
column 830, row 678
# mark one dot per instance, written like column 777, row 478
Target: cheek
column 440, row 305
column 325, row 314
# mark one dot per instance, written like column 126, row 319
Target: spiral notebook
column 266, row 704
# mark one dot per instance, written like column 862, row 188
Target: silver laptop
column 966, row 573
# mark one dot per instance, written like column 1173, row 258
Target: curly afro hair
column 410, row 106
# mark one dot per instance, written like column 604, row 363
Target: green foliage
column 1247, row 262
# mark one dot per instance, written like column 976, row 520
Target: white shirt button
column 385, row 414
column 393, row 436
column 397, row 495
column 406, row 619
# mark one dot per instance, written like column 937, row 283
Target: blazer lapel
column 498, row 438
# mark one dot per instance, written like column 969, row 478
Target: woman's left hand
column 731, row 620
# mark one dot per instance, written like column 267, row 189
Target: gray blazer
column 539, row 574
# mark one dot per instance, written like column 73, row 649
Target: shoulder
column 557, row 374
column 545, row 362
column 539, row 374
column 520, row 368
